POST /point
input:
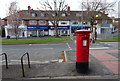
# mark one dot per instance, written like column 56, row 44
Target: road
column 100, row 60
column 38, row 52
column 46, row 52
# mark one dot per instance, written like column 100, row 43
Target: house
column 36, row 23
column 2, row 32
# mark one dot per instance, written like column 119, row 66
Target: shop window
column 32, row 22
column 104, row 31
column 34, row 33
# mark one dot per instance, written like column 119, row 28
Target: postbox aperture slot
column 84, row 37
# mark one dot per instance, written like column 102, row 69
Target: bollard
column 82, row 50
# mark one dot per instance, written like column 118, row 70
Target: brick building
column 37, row 23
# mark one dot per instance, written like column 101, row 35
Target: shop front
column 10, row 31
column 37, row 31
column 74, row 28
column 62, row 31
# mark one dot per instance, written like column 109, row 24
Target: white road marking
column 44, row 44
column 30, row 44
column 99, row 48
column 97, row 44
column 69, row 46
column 25, row 61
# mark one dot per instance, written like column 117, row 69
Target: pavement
column 103, row 64
column 104, row 57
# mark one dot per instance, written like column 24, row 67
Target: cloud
column 23, row 4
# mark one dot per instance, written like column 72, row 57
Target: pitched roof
column 25, row 15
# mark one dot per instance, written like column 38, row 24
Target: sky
column 23, row 4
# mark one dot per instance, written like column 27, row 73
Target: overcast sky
column 23, row 4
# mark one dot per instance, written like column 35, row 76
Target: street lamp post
column 94, row 28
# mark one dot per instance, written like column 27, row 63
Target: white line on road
column 69, row 46
column 25, row 61
column 30, row 44
column 99, row 48
column 43, row 44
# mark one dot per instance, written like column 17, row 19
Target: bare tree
column 94, row 8
column 1, row 23
column 14, row 17
column 119, row 16
column 54, row 11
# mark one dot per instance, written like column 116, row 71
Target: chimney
column 29, row 8
column 68, row 11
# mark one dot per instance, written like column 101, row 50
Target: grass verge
column 34, row 40
column 109, row 39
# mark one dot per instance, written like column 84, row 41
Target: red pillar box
column 82, row 50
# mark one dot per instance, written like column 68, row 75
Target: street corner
column 97, row 63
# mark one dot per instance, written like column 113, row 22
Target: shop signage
column 79, row 27
column 61, row 27
column 37, row 27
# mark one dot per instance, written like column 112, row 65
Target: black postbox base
column 82, row 67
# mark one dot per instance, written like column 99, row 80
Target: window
column 63, row 15
column 63, row 23
column 33, row 14
column 100, row 15
column 42, row 22
column 104, row 21
column 75, row 23
column 53, row 14
column 26, row 13
column 84, row 23
column 78, row 14
column 32, row 22
column 22, row 22
column 42, row 14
